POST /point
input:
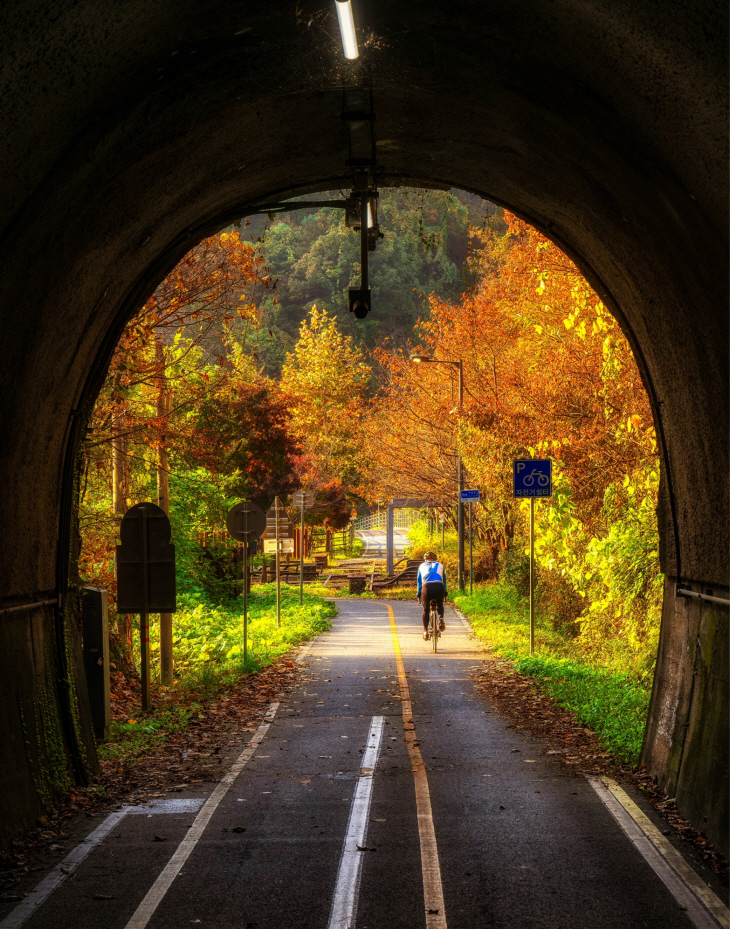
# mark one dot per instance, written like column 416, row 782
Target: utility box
column 95, row 630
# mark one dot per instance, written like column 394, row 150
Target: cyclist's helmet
column 429, row 556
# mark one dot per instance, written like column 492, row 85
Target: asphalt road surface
column 376, row 542
column 383, row 792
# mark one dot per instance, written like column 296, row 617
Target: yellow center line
column 433, row 894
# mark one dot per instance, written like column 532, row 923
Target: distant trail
column 375, row 542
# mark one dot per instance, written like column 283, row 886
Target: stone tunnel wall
column 688, row 735
column 45, row 720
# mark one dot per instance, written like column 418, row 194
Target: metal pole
column 301, row 554
column 245, row 602
column 144, row 618
column 471, row 554
column 532, row 575
column 460, row 508
column 364, row 242
column 278, row 572
column 245, row 586
column 389, row 541
column 443, row 534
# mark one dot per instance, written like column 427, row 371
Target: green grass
column 207, row 645
column 357, row 549
column 607, row 699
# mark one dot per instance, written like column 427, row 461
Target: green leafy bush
column 208, row 638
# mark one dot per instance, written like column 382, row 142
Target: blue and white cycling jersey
column 431, row 572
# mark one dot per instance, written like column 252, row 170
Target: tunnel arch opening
column 226, row 225
column 613, row 153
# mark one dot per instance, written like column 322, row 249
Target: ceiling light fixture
column 347, row 28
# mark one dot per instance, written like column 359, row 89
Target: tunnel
column 133, row 130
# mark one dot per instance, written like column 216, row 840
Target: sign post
column 278, row 568
column 145, row 575
column 301, row 499
column 533, row 477
column 471, row 552
column 469, row 496
column 278, row 522
column 245, row 522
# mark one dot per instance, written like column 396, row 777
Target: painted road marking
column 69, row 864
column 156, row 893
column 704, row 909
column 54, row 878
column 347, row 888
column 158, row 807
column 433, row 893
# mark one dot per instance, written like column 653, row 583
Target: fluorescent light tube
column 347, row 28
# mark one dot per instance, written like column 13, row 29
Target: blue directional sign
column 533, row 477
column 469, row 496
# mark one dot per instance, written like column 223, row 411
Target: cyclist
column 432, row 586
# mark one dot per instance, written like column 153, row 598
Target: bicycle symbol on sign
column 542, row 479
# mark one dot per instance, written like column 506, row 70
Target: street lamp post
column 459, row 365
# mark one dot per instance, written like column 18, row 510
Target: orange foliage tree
column 547, row 372
column 173, row 357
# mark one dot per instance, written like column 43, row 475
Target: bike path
column 519, row 842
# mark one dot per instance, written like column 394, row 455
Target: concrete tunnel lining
column 132, row 133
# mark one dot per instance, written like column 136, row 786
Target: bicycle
column 433, row 623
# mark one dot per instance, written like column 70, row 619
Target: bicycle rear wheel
column 434, row 628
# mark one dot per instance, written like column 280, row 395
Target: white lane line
column 51, row 881
column 704, row 909
column 156, row 893
column 344, row 904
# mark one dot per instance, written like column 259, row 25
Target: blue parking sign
column 533, row 477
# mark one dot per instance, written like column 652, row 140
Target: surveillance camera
column 360, row 302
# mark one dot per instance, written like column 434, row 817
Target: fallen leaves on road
column 577, row 749
column 196, row 754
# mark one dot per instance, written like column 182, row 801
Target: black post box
column 95, row 628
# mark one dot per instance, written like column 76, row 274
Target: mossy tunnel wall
column 131, row 131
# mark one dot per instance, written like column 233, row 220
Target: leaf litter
column 579, row 750
column 210, row 733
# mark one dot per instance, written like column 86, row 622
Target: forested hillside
column 312, row 258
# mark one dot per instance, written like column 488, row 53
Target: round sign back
column 245, row 522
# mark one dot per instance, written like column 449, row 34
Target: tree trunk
column 120, row 496
column 120, row 465
column 164, row 406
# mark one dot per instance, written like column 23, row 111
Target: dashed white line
column 347, row 887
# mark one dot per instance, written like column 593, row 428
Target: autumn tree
column 181, row 337
column 547, row 372
column 326, row 381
